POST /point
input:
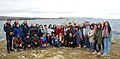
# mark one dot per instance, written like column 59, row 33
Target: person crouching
column 56, row 42
column 17, row 43
column 35, row 40
column 71, row 40
column 43, row 41
column 27, row 42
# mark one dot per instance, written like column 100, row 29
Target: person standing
column 98, row 39
column 78, row 37
column 85, row 33
column 9, row 34
column 107, row 35
column 15, row 23
column 25, row 28
column 45, row 29
column 18, row 31
column 91, row 36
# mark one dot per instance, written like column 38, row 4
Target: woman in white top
column 91, row 36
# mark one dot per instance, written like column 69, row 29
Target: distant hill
column 14, row 18
column 90, row 18
column 24, row 18
column 33, row 18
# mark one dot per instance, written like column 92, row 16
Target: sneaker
column 84, row 46
column 98, row 53
column 104, row 54
column 94, row 53
column 15, row 50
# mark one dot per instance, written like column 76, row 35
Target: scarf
column 105, row 32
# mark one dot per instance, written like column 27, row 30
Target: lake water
column 115, row 24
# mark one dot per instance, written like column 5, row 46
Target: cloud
column 59, row 8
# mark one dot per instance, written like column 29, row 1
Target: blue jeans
column 92, row 45
column 107, row 44
column 86, row 42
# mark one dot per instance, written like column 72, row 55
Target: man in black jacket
column 25, row 28
column 9, row 34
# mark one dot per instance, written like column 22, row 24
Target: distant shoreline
column 25, row 18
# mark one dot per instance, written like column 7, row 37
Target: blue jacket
column 43, row 40
column 18, row 31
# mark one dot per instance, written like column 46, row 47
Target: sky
column 107, row 9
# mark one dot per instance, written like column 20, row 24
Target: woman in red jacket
column 58, row 30
column 62, row 29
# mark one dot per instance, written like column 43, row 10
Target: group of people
column 95, row 36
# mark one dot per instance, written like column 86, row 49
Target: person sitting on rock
column 17, row 43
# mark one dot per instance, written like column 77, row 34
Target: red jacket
column 62, row 31
column 42, row 42
column 58, row 31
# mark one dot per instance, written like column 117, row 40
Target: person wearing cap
column 9, row 34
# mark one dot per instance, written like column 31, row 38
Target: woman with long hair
column 98, row 39
column 107, row 35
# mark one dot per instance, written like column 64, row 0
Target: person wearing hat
column 9, row 34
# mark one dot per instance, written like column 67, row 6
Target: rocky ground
column 59, row 53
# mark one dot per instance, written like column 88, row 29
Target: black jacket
column 7, row 28
column 25, row 28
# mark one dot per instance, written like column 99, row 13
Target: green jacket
column 98, row 36
column 110, row 36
